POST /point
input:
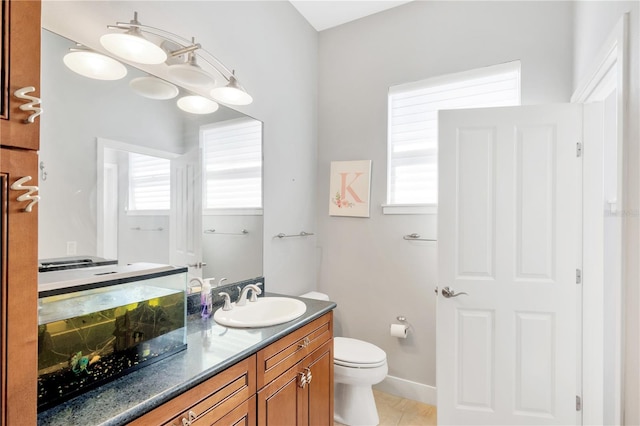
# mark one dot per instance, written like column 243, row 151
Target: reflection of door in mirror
column 133, row 202
column 186, row 213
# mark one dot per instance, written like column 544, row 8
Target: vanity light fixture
column 191, row 73
column 93, row 64
column 233, row 93
column 195, row 104
column 132, row 45
column 154, row 88
column 175, row 47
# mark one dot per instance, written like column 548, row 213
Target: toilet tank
column 315, row 295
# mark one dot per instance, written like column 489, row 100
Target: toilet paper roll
column 399, row 330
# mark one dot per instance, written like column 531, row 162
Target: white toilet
column 357, row 365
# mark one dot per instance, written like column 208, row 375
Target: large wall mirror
column 137, row 179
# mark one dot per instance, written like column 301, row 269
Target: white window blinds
column 232, row 152
column 413, row 124
column 149, row 182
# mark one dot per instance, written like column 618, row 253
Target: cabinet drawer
column 279, row 356
column 243, row 415
column 210, row 400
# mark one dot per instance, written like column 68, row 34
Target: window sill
column 147, row 212
column 250, row 211
column 409, row 209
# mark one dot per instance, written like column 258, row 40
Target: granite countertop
column 211, row 348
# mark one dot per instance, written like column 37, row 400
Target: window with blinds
column 232, row 152
column 413, row 124
column 149, row 182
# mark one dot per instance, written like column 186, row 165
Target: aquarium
column 96, row 324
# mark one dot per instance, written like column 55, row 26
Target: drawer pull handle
column 303, row 379
column 306, row 342
column 185, row 422
column 309, row 376
column 192, row 416
column 29, row 106
column 28, row 195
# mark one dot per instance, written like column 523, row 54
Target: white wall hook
column 28, row 196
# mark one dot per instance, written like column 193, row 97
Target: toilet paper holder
column 400, row 330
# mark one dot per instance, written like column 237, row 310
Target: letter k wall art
column 350, row 188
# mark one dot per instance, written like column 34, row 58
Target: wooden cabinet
column 20, row 65
column 297, row 377
column 18, row 299
column 19, row 68
column 227, row 398
column 294, row 377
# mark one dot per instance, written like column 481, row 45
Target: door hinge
column 579, row 149
column 578, row 403
column 578, row 276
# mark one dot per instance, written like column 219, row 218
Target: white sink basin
column 265, row 312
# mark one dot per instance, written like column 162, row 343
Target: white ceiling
column 323, row 14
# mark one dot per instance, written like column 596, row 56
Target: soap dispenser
column 206, row 302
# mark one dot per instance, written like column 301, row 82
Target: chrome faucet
column 242, row 300
column 227, row 301
column 191, row 287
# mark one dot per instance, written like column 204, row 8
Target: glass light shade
column 153, row 88
column 197, row 104
column 231, row 96
column 232, row 93
column 133, row 47
column 94, row 65
column 190, row 74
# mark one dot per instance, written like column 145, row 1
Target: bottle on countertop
column 206, row 301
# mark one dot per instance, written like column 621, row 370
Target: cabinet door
column 279, row 403
column 303, row 395
column 20, row 65
column 319, row 391
column 19, row 298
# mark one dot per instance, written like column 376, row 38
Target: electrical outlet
column 71, row 248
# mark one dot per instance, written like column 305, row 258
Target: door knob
column 448, row 292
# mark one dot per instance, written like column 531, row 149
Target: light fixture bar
column 212, row 61
column 192, row 48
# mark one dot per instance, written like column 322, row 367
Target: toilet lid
column 356, row 353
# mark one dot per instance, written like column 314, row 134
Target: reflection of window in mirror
column 232, row 154
column 149, row 183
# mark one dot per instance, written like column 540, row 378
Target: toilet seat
column 356, row 353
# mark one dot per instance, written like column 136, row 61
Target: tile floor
column 396, row 411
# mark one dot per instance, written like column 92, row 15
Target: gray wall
column 366, row 266
column 594, row 21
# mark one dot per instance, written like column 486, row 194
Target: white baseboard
column 408, row 389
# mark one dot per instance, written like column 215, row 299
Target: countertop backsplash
column 193, row 300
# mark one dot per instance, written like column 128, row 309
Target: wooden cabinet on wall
column 20, row 65
column 295, row 377
column 19, row 140
column 19, row 300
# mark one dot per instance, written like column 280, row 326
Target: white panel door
column 186, row 212
column 509, row 236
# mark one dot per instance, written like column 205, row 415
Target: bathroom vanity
column 275, row 375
